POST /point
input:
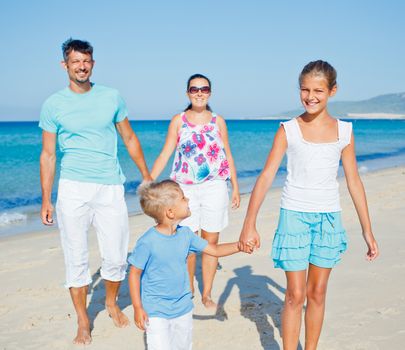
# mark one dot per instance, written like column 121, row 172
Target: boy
column 158, row 278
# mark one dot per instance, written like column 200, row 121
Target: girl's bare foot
column 118, row 317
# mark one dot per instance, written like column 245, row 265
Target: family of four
column 84, row 119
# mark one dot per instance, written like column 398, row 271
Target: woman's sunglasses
column 194, row 89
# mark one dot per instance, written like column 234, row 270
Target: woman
column 202, row 165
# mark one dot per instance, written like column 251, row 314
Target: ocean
column 379, row 144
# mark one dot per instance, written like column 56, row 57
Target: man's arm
column 47, row 162
column 134, row 147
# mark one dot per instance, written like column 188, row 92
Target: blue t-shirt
column 165, row 286
column 85, row 124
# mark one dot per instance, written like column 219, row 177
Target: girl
column 310, row 238
column 202, row 164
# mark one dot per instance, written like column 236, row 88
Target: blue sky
column 252, row 50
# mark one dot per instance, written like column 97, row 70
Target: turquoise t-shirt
column 85, row 125
column 165, row 286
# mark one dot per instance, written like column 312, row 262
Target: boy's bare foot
column 118, row 317
column 83, row 336
column 208, row 303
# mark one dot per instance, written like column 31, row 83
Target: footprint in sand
column 388, row 311
column 22, row 266
column 53, row 249
column 4, row 310
column 363, row 345
column 31, row 323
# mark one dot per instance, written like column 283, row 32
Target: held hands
column 47, row 214
column 250, row 247
column 146, row 181
column 147, row 178
column 249, row 240
column 141, row 318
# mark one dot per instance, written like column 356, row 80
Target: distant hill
column 383, row 104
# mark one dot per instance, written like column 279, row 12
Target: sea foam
column 363, row 169
column 12, row 218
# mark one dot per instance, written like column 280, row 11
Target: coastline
column 281, row 116
column 365, row 306
column 31, row 220
column 348, row 116
column 379, row 144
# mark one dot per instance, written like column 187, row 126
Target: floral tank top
column 200, row 154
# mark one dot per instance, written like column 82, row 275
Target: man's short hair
column 155, row 197
column 76, row 45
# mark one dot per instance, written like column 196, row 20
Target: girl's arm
column 356, row 190
column 134, row 280
column 263, row 183
column 234, row 180
column 168, row 148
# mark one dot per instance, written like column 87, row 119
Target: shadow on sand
column 97, row 300
column 258, row 301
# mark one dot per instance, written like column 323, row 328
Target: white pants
column 81, row 204
column 170, row 334
column 208, row 202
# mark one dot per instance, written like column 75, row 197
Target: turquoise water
column 379, row 144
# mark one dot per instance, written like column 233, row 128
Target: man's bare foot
column 83, row 336
column 208, row 303
column 119, row 318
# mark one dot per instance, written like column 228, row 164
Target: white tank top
column 311, row 184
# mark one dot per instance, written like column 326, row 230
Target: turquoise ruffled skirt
column 308, row 238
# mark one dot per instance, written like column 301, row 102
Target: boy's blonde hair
column 155, row 197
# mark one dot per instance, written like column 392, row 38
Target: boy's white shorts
column 208, row 205
column 170, row 334
column 81, row 204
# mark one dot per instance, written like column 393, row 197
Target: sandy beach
column 365, row 303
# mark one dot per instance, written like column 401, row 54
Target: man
column 84, row 118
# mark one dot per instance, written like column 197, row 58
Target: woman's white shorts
column 208, row 204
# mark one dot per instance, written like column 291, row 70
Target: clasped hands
column 249, row 240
